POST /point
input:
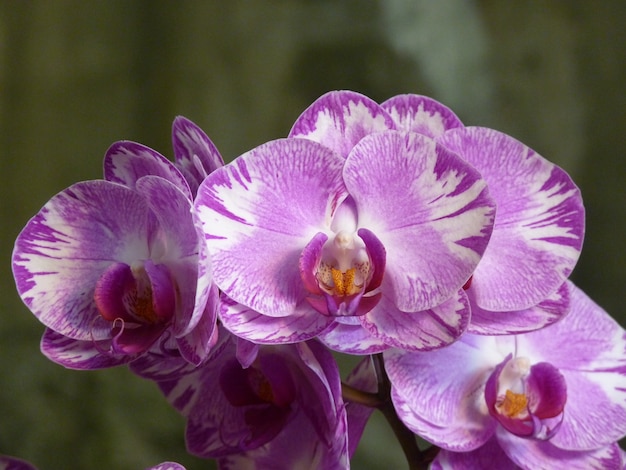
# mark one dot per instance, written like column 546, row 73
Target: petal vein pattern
column 260, row 211
column 430, row 210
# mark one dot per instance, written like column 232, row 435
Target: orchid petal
column 531, row 454
column 302, row 324
column 430, row 210
column 540, row 220
column 80, row 355
column 195, row 154
column 12, row 463
column 489, row 455
column 421, row 114
column 419, row 331
column 339, row 119
column 126, row 162
column 552, row 309
column 167, row 466
column 439, row 394
column 63, row 250
column 351, row 339
column 260, row 211
column 196, row 345
column 586, row 339
column 178, row 246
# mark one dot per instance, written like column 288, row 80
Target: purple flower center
column 527, row 400
column 138, row 301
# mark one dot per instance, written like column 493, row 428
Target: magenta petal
column 429, row 209
column 195, row 154
column 260, row 211
column 304, row 323
column 64, row 249
column 547, row 391
column 308, row 263
column 540, row 220
column 126, row 162
column 421, row 114
column 81, row 355
column 339, row 119
column 552, row 309
column 112, row 286
column 419, row 331
column 12, row 463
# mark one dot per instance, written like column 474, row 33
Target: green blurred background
column 76, row 76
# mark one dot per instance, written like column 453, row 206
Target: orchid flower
column 555, row 394
column 284, row 408
column 375, row 244
column 539, row 217
column 116, row 267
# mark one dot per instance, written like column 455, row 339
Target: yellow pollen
column 344, row 281
column 513, row 404
column 142, row 307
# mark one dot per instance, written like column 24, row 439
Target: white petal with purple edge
column 64, row 249
column 339, row 119
column 260, row 211
column 540, row 220
column 125, row 162
column 430, row 210
column 421, row 114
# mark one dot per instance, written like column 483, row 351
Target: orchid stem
column 405, row 436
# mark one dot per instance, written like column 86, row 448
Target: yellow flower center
column 513, row 404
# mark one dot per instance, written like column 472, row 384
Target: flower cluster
column 438, row 252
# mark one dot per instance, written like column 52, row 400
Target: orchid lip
column 527, row 399
column 138, row 301
column 342, row 273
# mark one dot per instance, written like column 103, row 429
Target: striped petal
column 587, row 346
column 340, row 119
column 260, row 211
column 80, row 355
column 304, row 323
column 552, row 309
column 351, row 339
column 195, row 154
column 531, row 454
column 440, row 394
column 125, row 162
column 419, row 331
column 539, row 226
column 430, row 210
column 64, row 249
column 421, row 114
